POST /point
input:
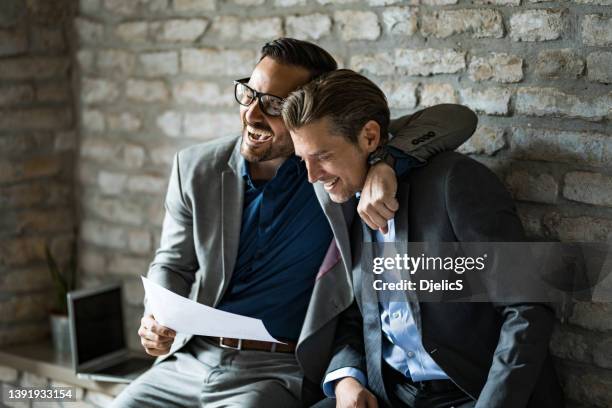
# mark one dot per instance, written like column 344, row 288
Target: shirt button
column 410, row 354
column 396, row 315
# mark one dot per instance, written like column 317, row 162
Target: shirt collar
column 293, row 166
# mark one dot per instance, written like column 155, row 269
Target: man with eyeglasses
column 244, row 233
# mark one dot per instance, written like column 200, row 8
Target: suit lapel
column 232, row 201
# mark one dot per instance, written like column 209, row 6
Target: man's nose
column 314, row 171
column 253, row 113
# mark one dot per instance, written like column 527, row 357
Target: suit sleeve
column 433, row 130
column 348, row 350
column 175, row 263
column 481, row 210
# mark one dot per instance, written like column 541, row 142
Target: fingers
column 155, row 338
column 149, row 323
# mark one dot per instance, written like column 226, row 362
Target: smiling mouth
column 329, row 185
column 258, row 136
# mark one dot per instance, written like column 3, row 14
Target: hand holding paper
column 189, row 317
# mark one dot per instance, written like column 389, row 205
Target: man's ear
column 369, row 137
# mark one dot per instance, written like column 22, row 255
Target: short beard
column 270, row 153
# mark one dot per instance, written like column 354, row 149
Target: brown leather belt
column 240, row 344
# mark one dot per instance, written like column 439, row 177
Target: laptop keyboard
column 127, row 367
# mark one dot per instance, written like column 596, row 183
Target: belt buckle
column 239, row 347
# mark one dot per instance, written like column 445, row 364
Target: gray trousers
column 202, row 374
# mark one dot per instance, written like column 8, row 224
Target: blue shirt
column 283, row 239
column 402, row 347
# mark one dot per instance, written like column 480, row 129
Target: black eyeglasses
column 271, row 105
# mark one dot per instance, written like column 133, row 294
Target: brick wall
column 155, row 75
column 37, row 145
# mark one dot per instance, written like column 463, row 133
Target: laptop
column 97, row 337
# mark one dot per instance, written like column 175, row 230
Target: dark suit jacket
column 497, row 353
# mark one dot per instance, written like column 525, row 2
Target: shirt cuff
column 331, row 378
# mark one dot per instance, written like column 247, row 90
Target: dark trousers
column 403, row 393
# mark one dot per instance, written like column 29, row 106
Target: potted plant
column 64, row 281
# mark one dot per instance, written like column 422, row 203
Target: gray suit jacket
column 497, row 353
column 201, row 229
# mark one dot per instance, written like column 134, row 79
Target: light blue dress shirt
column 402, row 346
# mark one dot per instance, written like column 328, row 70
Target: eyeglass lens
column 270, row 105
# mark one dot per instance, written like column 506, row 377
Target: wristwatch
column 381, row 154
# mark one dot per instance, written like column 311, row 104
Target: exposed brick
column 147, row 184
column 561, row 146
column 578, row 229
column 180, row 30
column 552, row 102
column 588, row 387
column 121, row 7
column 86, row 60
column 326, row 2
column 211, row 125
column 53, row 92
column 47, row 39
column 400, row 20
column 111, row 183
column 541, row 188
column 160, row 63
column 124, row 122
column 93, row 120
column 126, row 265
column 139, row 242
column 208, row 61
column 18, row 308
column 36, row 119
column 429, row 61
column 438, row 2
column 376, row 64
column 382, row 2
column 312, row 26
column 598, row 67
column 225, row 26
column 88, row 32
column 171, row 123
column 132, row 32
column 480, row 23
column 162, row 155
column 357, row 25
column 194, row 5
column 486, row 140
column 32, row 380
column 115, row 210
column 97, row 90
column 289, row 3
column 33, row 67
column 249, row 2
column 21, row 251
column 91, row 261
column 400, row 94
column 537, row 25
column 21, row 196
column 498, row 67
column 103, row 234
column 598, row 2
column 592, row 316
column 597, row 30
column 499, row 2
column 562, row 63
column 116, row 62
column 13, row 40
column 147, row 91
column 89, row 6
column 262, row 28
column 11, row 95
column 492, row 101
column 133, row 291
column 203, row 93
column 590, row 188
column 435, row 93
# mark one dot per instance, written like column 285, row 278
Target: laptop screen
column 98, row 324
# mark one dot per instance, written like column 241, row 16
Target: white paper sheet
column 186, row 316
